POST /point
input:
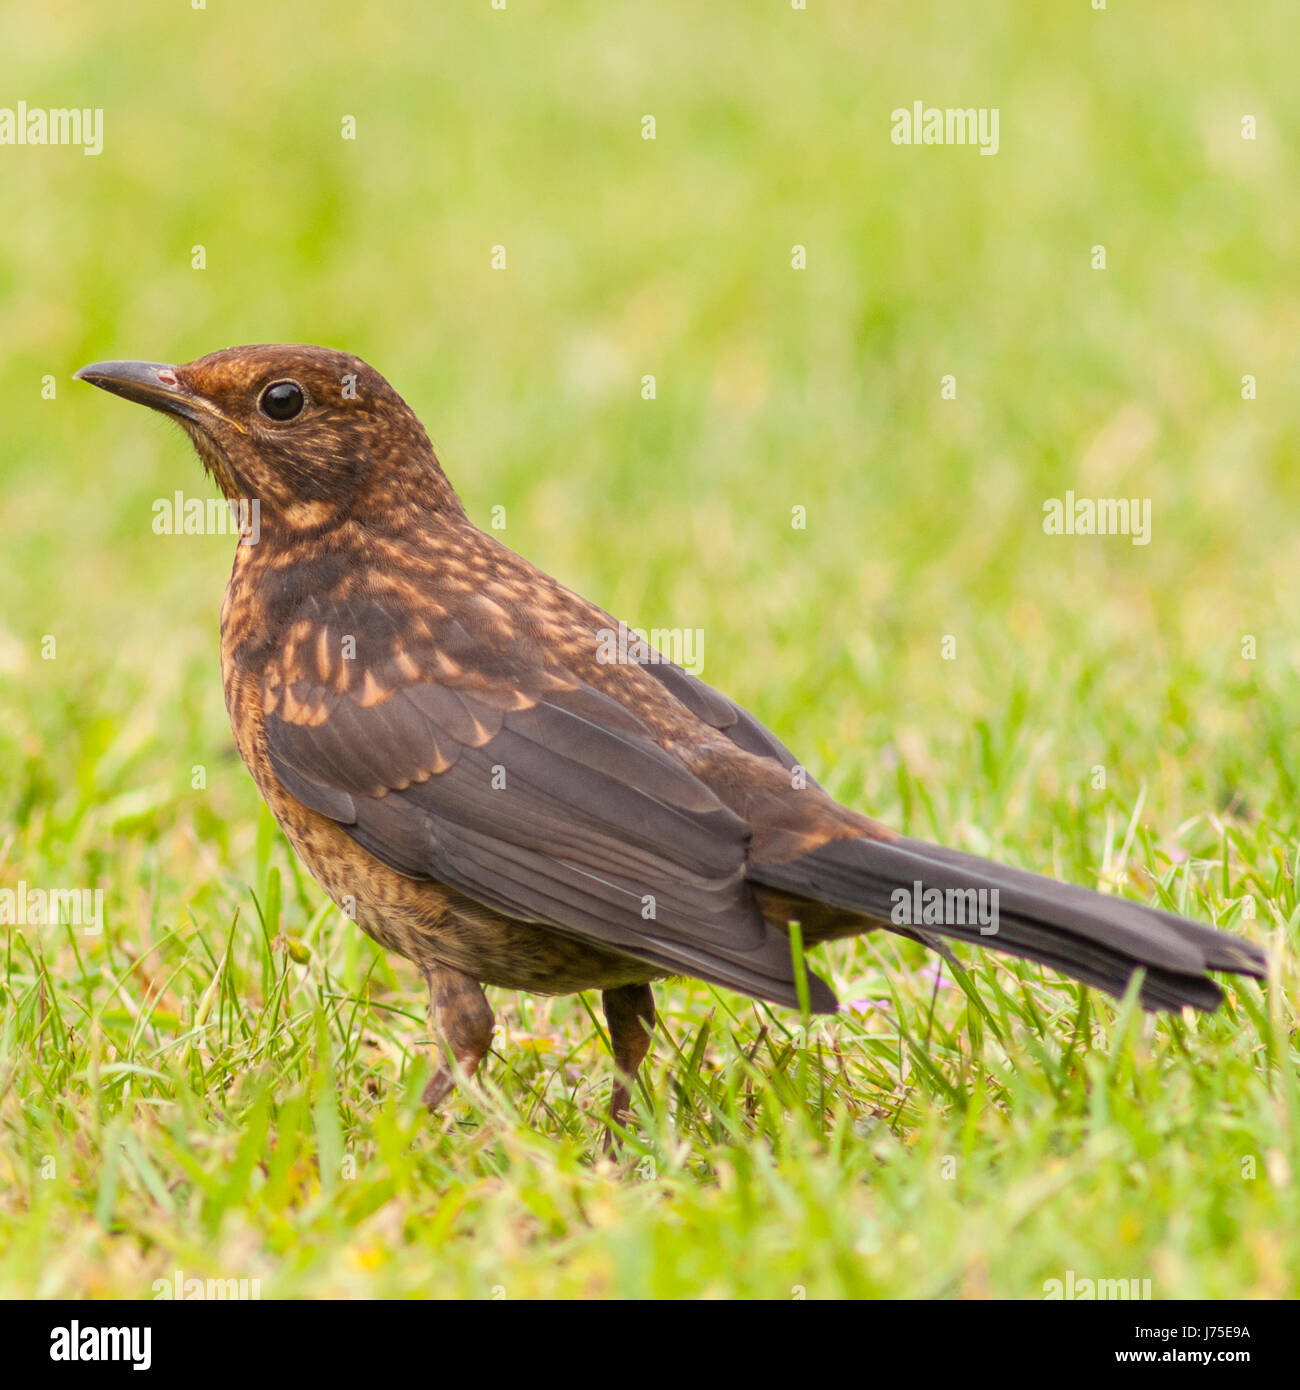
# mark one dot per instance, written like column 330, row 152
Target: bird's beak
column 154, row 384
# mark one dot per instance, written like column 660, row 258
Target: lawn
column 224, row 1078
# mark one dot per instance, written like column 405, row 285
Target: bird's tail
column 1098, row 939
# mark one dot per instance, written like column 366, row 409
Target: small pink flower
column 935, row 975
column 862, row 1007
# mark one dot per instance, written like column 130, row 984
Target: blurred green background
column 775, row 388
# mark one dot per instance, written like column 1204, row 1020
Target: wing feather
column 545, row 800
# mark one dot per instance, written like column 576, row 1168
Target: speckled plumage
column 431, row 720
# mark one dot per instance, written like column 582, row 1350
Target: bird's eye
column 281, row 400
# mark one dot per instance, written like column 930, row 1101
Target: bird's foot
column 461, row 1018
column 630, row 1014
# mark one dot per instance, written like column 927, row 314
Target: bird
column 491, row 789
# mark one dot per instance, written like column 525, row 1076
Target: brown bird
column 440, row 730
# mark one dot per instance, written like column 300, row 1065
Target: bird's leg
column 461, row 1019
column 630, row 1014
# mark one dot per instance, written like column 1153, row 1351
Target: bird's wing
column 520, row 786
column 723, row 714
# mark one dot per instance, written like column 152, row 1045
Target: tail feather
column 1097, row 939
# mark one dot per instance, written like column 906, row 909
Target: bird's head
column 310, row 433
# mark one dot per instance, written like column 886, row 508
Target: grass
column 225, row 1080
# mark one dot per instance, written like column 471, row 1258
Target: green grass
column 225, row 1081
